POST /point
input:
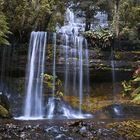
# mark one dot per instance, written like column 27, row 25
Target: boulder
column 4, row 107
column 4, row 113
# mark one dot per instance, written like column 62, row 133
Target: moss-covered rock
column 4, row 101
column 4, row 113
column 4, row 107
column 128, row 129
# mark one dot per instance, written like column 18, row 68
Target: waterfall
column 51, row 103
column 80, row 55
column 113, row 69
column 75, row 64
column 33, row 107
column 54, row 63
column 66, row 52
column 87, row 68
column 75, row 55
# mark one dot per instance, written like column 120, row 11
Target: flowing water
column 75, row 62
column 76, row 54
column 35, row 69
column 113, row 74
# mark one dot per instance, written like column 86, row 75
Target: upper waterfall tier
column 71, row 24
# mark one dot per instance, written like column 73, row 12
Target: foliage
column 118, row 55
column 4, row 29
column 48, row 81
column 132, row 87
column 24, row 16
column 129, row 19
column 129, row 13
column 100, row 38
column 90, row 9
column 126, row 87
column 50, row 52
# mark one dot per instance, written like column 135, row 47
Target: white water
column 74, row 55
column 51, row 104
column 113, row 74
column 55, row 108
column 54, row 63
column 33, row 107
column 66, row 52
column 80, row 55
column 87, row 68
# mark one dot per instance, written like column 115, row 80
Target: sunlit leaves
column 4, row 30
column 49, row 83
column 100, row 37
column 24, row 16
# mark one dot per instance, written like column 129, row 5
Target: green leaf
column 137, row 79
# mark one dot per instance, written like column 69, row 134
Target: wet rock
column 75, row 123
column 60, row 136
column 23, row 135
column 4, row 101
column 52, row 129
column 122, row 110
column 4, row 113
column 83, row 130
column 4, row 107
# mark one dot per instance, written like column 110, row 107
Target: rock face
column 121, row 111
column 4, row 107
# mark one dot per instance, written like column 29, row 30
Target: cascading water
column 87, row 68
column 113, row 73
column 74, row 57
column 54, row 63
column 33, row 107
column 80, row 54
column 116, row 108
column 51, row 103
column 75, row 54
column 66, row 49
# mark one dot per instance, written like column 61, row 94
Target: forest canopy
column 20, row 17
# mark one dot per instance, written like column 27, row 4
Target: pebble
column 60, row 136
column 23, row 135
column 83, row 129
column 63, row 129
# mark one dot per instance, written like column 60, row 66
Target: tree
column 24, row 16
column 90, row 8
column 130, row 13
column 4, row 30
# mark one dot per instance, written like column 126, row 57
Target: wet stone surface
column 68, row 130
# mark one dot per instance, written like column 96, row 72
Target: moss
column 4, row 113
column 129, row 129
column 119, row 55
column 93, row 104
